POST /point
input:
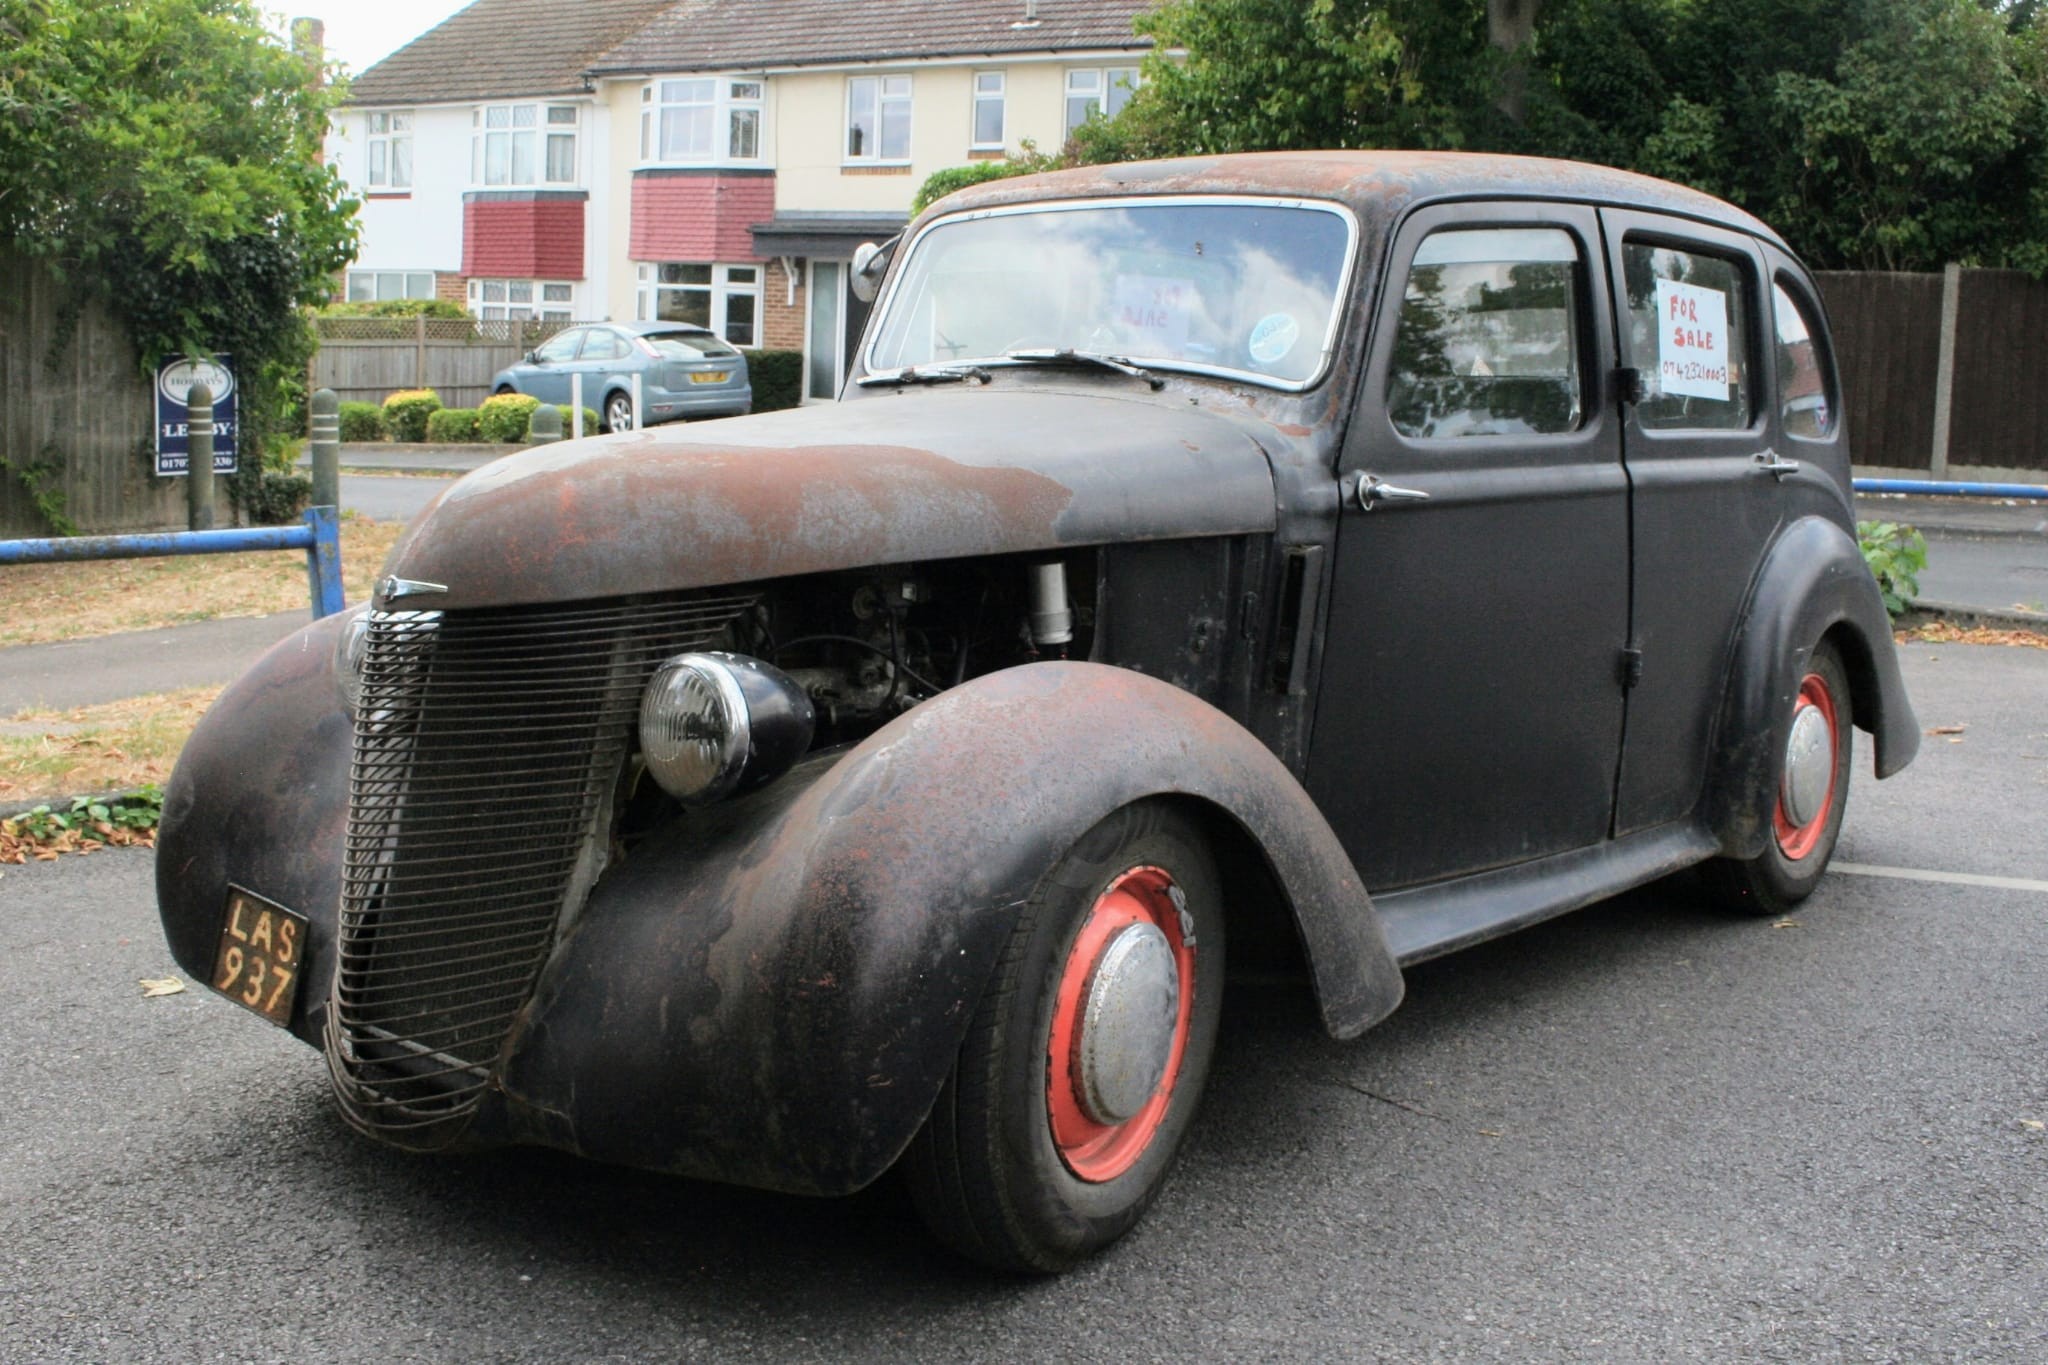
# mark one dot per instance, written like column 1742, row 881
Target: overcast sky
column 360, row 33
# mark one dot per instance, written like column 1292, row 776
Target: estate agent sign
column 174, row 379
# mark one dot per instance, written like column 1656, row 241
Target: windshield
column 1238, row 287
column 689, row 345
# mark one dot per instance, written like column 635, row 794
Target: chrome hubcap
column 1809, row 762
column 1127, row 1024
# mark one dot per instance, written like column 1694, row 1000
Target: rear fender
column 774, row 995
column 1814, row 586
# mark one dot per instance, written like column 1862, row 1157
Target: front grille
column 487, row 744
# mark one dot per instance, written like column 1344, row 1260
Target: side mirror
column 533, row 357
column 870, row 263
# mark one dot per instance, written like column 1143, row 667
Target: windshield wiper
column 1064, row 355
column 930, row 374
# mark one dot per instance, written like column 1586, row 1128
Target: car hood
column 911, row 476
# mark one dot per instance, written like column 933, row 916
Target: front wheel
column 1812, row 794
column 618, row 412
column 1084, row 1062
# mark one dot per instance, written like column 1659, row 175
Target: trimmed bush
column 504, row 416
column 361, row 422
column 777, row 377
column 569, row 422
column 277, row 498
column 396, row 308
column 452, row 426
column 406, row 413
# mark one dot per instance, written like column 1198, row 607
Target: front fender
column 1814, row 585
column 774, row 996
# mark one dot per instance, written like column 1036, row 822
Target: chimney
column 309, row 40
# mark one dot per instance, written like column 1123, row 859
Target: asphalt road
column 1999, row 572
column 1637, row 1133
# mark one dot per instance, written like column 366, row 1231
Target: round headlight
column 349, row 651
column 713, row 725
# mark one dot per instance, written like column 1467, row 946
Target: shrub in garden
column 277, row 498
column 777, row 378
column 504, row 416
column 569, row 422
column 406, row 413
column 1896, row 554
column 452, row 426
column 361, row 422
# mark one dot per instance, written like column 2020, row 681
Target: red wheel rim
column 1796, row 841
column 1095, row 1151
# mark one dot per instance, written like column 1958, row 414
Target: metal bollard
column 326, row 449
column 545, row 426
column 199, row 462
column 638, row 420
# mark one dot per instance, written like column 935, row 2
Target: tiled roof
column 706, row 35
column 498, row 48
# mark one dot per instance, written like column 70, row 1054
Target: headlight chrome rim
column 351, row 649
column 730, row 749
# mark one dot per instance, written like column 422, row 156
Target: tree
column 165, row 155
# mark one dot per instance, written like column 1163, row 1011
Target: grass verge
column 115, row 746
column 41, row 603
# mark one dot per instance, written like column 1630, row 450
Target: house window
column 548, row 300
column 390, row 150
column 701, row 119
column 1104, row 90
column 376, row 286
column 523, row 145
column 878, row 118
column 988, row 110
column 725, row 298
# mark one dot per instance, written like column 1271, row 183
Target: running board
column 1428, row 921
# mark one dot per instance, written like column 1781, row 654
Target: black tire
column 504, row 389
column 987, row 1171
column 618, row 412
column 1795, row 855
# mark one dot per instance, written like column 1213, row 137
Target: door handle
column 1370, row 490
column 1769, row 462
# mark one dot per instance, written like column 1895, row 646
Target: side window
column 1488, row 341
column 1806, row 400
column 1688, row 334
column 559, row 349
column 605, row 346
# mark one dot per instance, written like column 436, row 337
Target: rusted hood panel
column 922, row 475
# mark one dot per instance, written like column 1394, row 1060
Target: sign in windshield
column 1243, row 288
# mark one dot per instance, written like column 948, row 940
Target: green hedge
column 277, row 498
column 568, row 421
column 361, row 422
column 452, row 426
column 396, row 308
column 777, row 377
column 406, row 413
column 504, row 416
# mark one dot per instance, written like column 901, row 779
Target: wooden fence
column 76, row 416
column 364, row 360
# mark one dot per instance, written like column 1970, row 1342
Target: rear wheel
column 1811, row 795
column 1084, row 1063
column 504, row 389
column 618, row 412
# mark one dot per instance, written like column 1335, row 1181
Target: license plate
column 711, row 376
column 261, row 945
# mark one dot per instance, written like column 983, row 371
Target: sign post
column 174, row 381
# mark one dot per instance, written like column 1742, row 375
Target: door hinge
column 1631, row 666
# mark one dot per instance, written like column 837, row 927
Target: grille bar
column 486, row 745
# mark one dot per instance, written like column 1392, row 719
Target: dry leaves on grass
column 115, row 746
column 40, row 603
column 1943, row 633
column 18, row 846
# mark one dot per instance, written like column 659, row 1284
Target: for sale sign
column 174, row 380
column 1692, row 340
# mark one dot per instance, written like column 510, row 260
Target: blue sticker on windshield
column 1274, row 337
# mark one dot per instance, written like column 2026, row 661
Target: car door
column 1469, row 711
column 1705, row 486
column 605, row 355
column 547, row 378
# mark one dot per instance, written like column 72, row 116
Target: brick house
column 709, row 160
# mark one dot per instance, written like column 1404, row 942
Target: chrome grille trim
column 487, row 744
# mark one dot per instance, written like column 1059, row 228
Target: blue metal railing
column 319, row 536
column 1936, row 488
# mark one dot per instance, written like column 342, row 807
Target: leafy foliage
column 939, row 184
column 361, row 423
column 777, row 378
column 452, row 426
column 1896, row 554
column 397, row 308
column 164, row 156
column 277, row 498
column 406, row 413
column 505, row 416
column 569, row 420
column 87, row 822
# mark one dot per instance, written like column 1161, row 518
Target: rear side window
column 605, row 346
column 1688, row 335
column 1488, row 339
column 1806, row 400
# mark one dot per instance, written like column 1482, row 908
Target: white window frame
column 496, row 300
column 722, row 286
column 887, row 93
column 734, row 103
column 387, row 143
column 990, row 88
column 376, row 286
column 1095, row 84
column 545, row 124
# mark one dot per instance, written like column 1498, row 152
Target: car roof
column 1379, row 186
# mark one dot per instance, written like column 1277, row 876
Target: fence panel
column 1887, row 331
column 366, row 359
column 2000, row 412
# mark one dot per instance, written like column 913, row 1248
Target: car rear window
column 690, row 345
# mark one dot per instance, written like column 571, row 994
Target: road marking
column 1914, row 874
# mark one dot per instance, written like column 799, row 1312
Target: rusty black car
column 1318, row 560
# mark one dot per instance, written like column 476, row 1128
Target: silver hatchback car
column 684, row 371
